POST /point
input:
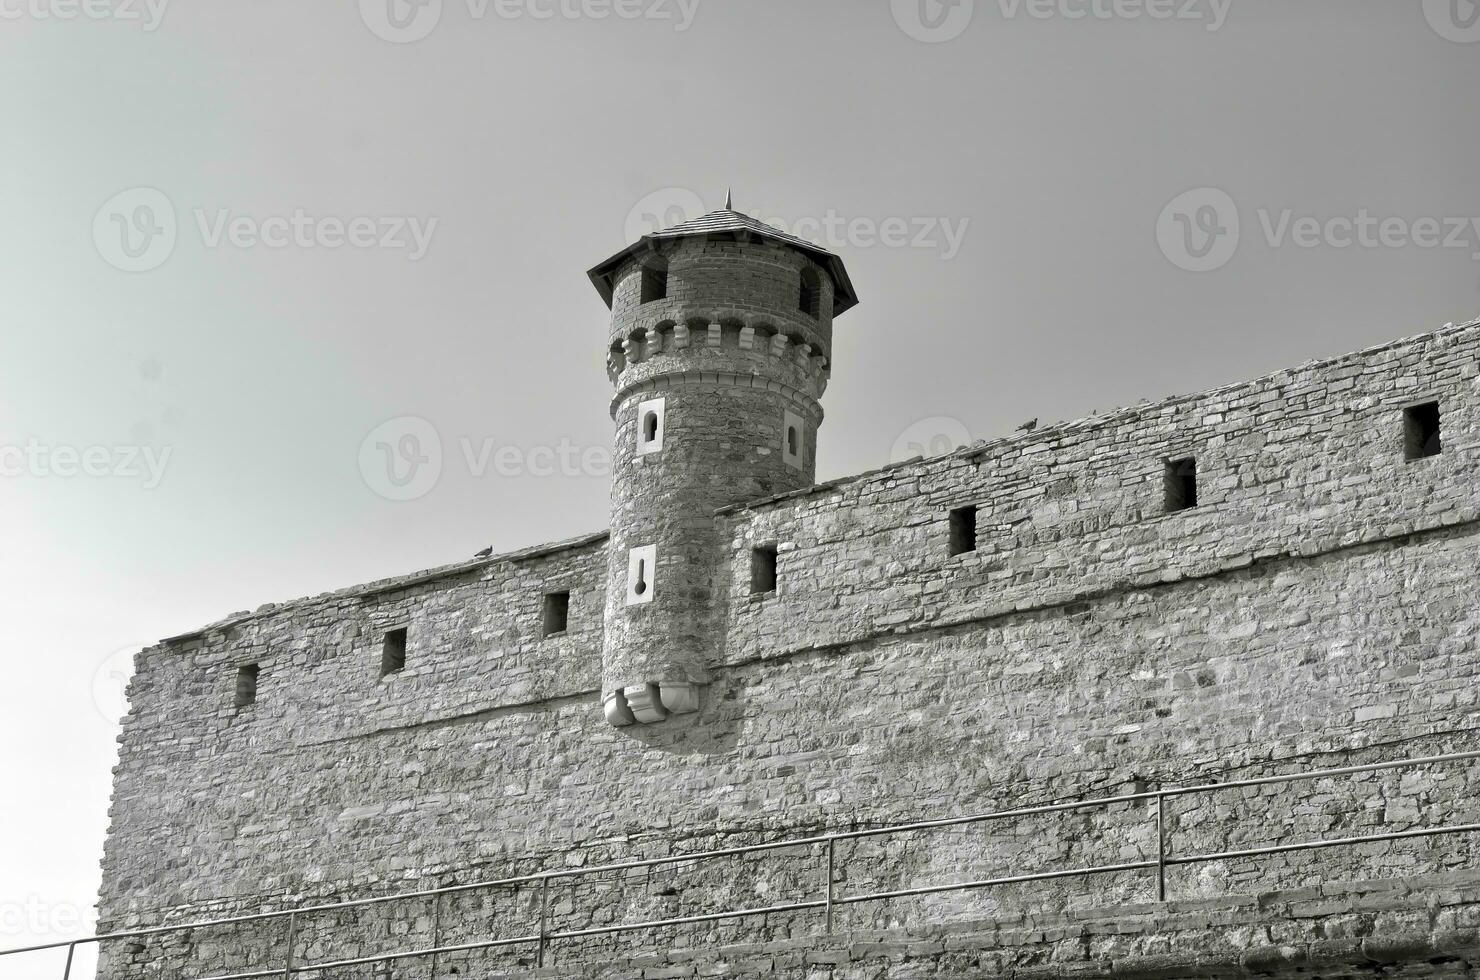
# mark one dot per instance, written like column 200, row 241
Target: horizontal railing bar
column 687, row 919
column 1316, row 774
column 774, row 845
column 1019, row 812
column 260, row 916
column 989, row 882
column 381, row 958
column 251, row 976
column 1147, row 865
column 575, row 934
column 1154, row 794
column 878, row 896
column 1464, row 828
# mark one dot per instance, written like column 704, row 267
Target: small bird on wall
column 1028, row 426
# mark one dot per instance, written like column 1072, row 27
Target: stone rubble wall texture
column 1316, row 609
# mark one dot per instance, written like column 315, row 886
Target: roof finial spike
column 729, row 200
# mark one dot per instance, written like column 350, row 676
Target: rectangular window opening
column 808, row 300
column 393, row 652
column 763, row 570
column 1181, row 484
column 1421, row 431
column 246, row 684
column 654, row 283
column 556, row 613
column 963, row 530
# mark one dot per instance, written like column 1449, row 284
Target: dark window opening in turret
column 810, row 298
column 963, row 530
column 654, row 280
column 556, row 617
column 393, row 652
column 793, row 441
column 246, row 684
column 650, row 427
column 1181, row 484
column 1421, row 431
column 763, row 570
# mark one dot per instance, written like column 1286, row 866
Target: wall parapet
column 1301, row 463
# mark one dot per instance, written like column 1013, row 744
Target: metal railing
column 829, row 897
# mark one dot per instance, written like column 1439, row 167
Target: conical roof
column 728, row 223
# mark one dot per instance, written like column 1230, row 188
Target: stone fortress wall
column 1315, row 608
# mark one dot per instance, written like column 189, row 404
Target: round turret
column 719, row 350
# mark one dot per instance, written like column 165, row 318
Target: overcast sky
column 248, row 249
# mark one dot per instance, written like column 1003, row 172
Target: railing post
column 831, row 857
column 436, row 935
column 544, row 919
column 71, row 951
column 1161, row 847
column 292, row 939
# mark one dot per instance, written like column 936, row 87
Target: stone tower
column 720, row 348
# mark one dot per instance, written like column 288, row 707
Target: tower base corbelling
column 649, row 704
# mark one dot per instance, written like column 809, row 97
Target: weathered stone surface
column 1315, row 609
